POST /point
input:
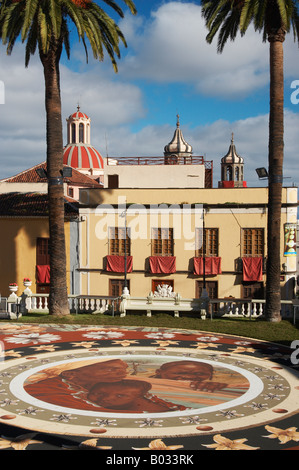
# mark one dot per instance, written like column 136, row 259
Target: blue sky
column 167, row 68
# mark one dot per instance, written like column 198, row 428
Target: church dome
column 82, row 156
column 178, row 145
column 79, row 153
column 78, row 115
column 232, row 156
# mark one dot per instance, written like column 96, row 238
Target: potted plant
column 13, row 287
column 27, row 282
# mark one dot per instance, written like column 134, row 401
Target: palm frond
column 42, row 23
column 224, row 17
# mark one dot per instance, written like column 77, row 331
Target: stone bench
column 152, row 304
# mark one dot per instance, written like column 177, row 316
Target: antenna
column 106, row 145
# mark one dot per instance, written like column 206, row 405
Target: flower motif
column 26, row 279
column 105, row 422
column 272, row 396
column 229, row 414
column 18, row 443
column 84, row 344
column 125, row 342
column 207, row 338
column 34, row 338
column 13, row 353
column 284, row 435
column 8, row 401
column 13, row 284
column 93, row 443
column 103, row 335
column 241, row 349
column 64, row 418
column 149, row 422
column 49, row 348
column 29, row 411
column 163, row 343
column 158, row 444
column 160, row 335
column 256, row 406
column 204, row 345
column 192, row 420
column 223, row 443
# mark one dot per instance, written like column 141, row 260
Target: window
column 116, row 287
column 42, row 259
column 81, row 133
column 118, row 243
column 211, row 287
column 73, row 133
column 206, row 242
column 252, row 242
column 162, row 242
column 113, row 181
column 254, row 290
column 42, row 251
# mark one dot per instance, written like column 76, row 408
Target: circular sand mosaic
column 133, row 389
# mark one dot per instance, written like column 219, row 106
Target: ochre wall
column 18, row 250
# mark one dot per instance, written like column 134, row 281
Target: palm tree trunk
column 58, row 299
column 276, row 150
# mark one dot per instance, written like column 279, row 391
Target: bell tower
column 232, row 169
column 78, row 128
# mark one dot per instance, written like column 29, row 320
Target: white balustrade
column 226, row 307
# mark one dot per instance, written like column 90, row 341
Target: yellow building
column 24, row 241
column 235, row 227
column 181, row 232
column 153, row 223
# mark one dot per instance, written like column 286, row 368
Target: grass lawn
column 283, row 333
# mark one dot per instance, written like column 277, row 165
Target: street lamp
column 125, row 289
column 65, row 173
column 262, row 173
column 204, row 298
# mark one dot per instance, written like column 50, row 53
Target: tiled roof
column 30, row 176
column 32, row 205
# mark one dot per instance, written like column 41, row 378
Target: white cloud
column 167, row 48
column 171, row 47
column 213, row 141
column 23, row 120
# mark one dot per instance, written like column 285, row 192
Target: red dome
column 78, row 115
column 82, row 156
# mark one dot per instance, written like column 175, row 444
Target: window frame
column 118, row 245
column 160, row 244
column 251, row 246
column 210, row 249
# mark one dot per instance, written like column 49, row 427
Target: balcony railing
column 165, row 160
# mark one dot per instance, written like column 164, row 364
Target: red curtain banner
column 212, row 265
column 116, row 264
column 43, row 274
column 162, row 264
column 253, row 269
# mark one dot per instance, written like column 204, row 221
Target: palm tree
column 273, row 18
column 45, row 25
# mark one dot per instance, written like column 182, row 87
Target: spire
column 232, row 155
column 232, row 168
column 178, row 147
